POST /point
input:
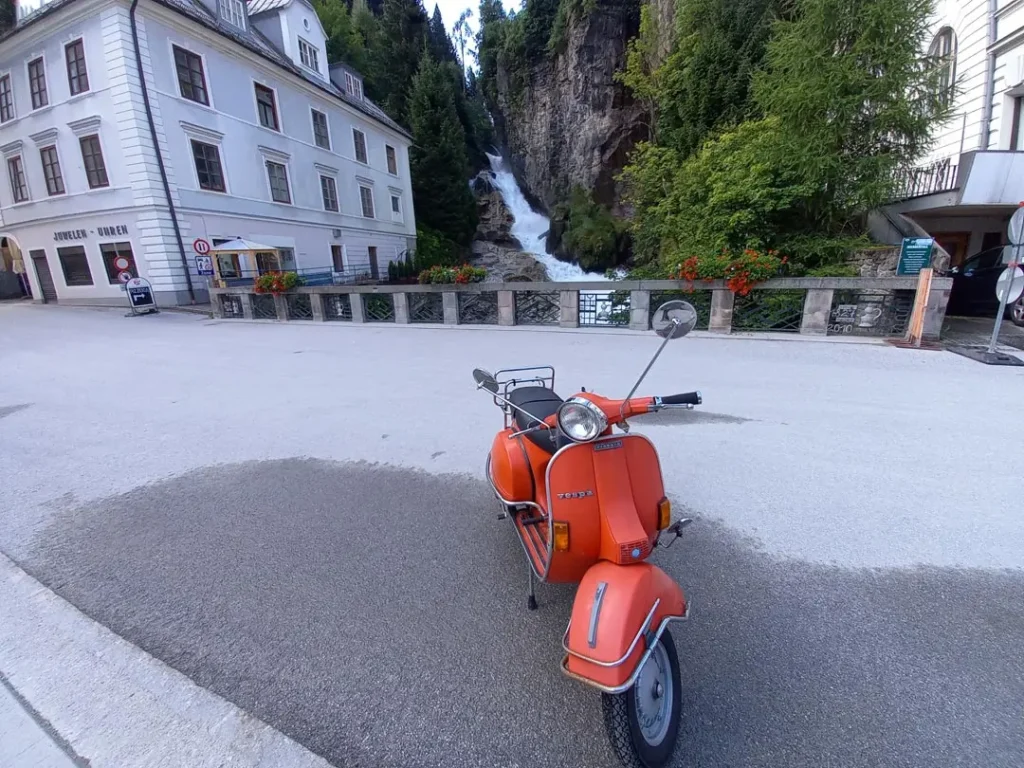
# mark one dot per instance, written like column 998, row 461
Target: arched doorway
column 28, row 274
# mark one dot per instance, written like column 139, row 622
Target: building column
column 281, row 306
column 639, row 310
column 722, row 300
column 316, row 302
column 246, row 305
column 506, row 308
column 569, row 309
column 356, row 303
column 817, row 310
column 450, row 305
column 401, row 307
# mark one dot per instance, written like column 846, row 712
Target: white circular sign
column 138, row 282
column 1012, row 279
column 124, row 277
column 122, row 263
column 1016, row 227
column 201, row 246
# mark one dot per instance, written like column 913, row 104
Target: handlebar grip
column 687, row 398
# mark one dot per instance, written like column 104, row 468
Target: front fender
column 619, row 611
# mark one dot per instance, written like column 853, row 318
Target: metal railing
column 823, row 306
column 940, row 176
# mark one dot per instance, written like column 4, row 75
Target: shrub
column 276, row 282
column 592, row 234
column 741, row 272
column 439, row 275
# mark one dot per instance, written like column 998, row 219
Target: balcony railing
column 940, row 176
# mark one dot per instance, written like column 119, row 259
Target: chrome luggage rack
column 521, row 377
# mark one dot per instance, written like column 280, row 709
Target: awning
column 241, row 245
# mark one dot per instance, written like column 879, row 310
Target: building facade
column 964, row 192
column 256, row 137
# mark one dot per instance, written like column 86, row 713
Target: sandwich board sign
column 140, row 296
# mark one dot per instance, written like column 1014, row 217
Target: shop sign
column 69, row 234
column 140, row 295
column 66, row 235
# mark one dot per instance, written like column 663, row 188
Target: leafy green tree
column 437, row 158
column 440, row 44
column 8, row 15
column 538, row 21
column 403, row 30
column 344, row 42
column 488, row 47
column 592, row 235
column 463, row 34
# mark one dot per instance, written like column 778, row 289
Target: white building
column 256, row 138
column 965, row 191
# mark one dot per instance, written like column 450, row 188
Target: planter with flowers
column 460, row 275
column 276, row 282
column 741, row 272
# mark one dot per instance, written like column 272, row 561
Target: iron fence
column 300, row 306
column 769, row 311
column 870, row 313
column 425, row 308
column 940, row 176
column 231, row 306
column 263, row 307
column 478, row 308
column 700, row 299
column 604, row 308
column 379, row 307
column 537, row 307
column 337, row 306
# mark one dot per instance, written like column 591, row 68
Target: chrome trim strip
column 629, row 651
column 595, row 612
column 636, row 672
column 503, row 500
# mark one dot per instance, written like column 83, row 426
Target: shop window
column 227, row 264
column 37, row 83
column 111, row 252
column 191, row 78
column 267, row 262
column 287, row 256
column 92, row 157
column 78, row 77
column 75, row 265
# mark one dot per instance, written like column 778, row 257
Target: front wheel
column 1016, row 312
column 643, row 722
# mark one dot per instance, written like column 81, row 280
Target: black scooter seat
column 539, row 402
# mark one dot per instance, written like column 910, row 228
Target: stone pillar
column 639, row 310
column 356, row 302
column 721, row 310
column 450, row 305
column 817, row 310
column 316, row 301
column 247, row 306
column 401, row 307
column 569, row 309
column 281, row 306
column 506, row 308
column 934, row 314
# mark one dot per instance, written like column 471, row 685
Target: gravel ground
column 293, row 516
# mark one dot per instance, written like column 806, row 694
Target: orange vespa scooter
column 590, row 507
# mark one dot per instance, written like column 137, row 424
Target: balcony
column 940, row 176
column 991, row 180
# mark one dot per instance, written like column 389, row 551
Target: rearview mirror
column 485, row 380
column 674, row 319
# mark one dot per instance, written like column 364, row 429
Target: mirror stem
column 636, row 386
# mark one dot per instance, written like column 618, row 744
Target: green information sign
column 915, row 255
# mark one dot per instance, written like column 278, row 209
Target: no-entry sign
column 200, row 246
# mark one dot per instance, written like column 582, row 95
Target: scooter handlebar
column 686, row 398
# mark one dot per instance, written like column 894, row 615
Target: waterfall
column 530, row 228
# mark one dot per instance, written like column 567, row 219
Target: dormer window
column 353, row 86
column 309, row 55
column 233, row 12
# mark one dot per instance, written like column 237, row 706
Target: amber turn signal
column 561, row 537
column 664, row 514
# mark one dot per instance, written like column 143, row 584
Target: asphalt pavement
column 294, row 517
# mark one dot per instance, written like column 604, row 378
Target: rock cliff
column 573, row 124
column 494, row 248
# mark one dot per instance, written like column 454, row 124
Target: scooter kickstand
column 531, row 601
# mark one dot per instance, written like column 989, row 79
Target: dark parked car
column 974, row 287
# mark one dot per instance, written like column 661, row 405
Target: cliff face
column 573, row 124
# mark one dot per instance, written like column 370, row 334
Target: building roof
column 250, row 38
column 259, row 6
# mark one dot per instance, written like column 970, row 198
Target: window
column 6, row 99
column 359, row 138
column 75, row 265
column 943, row 56
column 392, row 159
column 191, row 80
column 37, row 83
column 396, row 207
column 329, row 190
column 111, row 253
column 321, row 135
column 309, row 55
column 266, row 107
column 338, row 258
column 366, row 200
column 51, row 171
column 208, row 167
column 16, row 171
column 92, row 156
column 228, row 264
column 1016, row 139
column 278, row 176
column 267, row 261
column 78, row 77
column 233, row 12
column 353, row 86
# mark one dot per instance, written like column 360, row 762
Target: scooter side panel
column 624, row 596
column 574, row 500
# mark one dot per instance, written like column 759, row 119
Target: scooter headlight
column 580, row 420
